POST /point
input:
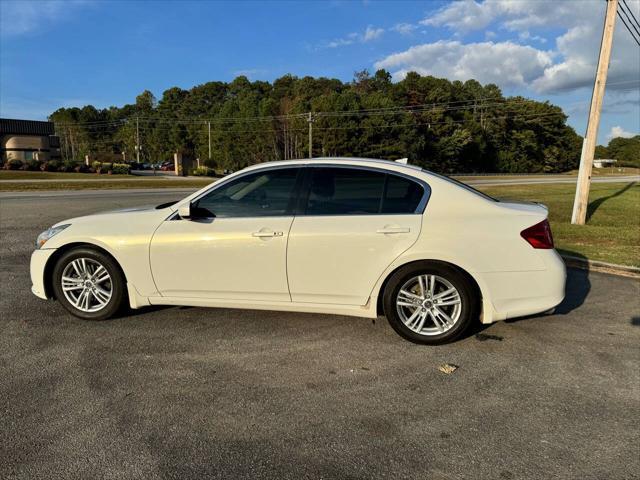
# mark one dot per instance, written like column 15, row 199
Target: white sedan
column 329, row 235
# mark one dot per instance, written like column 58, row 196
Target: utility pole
column 137, row 140
column 209, row 127
column 310, row 120
column 581, row 200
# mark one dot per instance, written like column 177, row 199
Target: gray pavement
column 216, row 393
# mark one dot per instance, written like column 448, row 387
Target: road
column 216, row 393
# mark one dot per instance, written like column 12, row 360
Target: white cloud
column 404, row 28
column 372, row 33
column 503, row 63
column 573, row 58
column 618, row 131
column 21, row 17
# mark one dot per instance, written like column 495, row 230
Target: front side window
column 345, row 191
column 260, row 194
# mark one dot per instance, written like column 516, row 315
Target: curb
column 604, row 267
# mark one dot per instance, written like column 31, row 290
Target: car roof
column 356, row 161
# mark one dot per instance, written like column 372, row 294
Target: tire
column 416, row 314
column 78, row 267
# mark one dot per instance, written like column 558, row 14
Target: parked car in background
column 342, row 236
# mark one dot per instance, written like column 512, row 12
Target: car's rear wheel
column 89, row 284
column 430, row 303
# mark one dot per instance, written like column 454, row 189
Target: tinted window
column 254, row 195
column 343, row 191
column 401, row 195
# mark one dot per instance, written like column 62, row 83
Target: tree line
column 446, row 126
column 626, row 151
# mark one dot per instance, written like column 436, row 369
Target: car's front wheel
column 430, row 303
column 89, row 284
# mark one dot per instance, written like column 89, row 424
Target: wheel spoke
column 101, row 295
column 436, row 322
column 431, row 280
column 422, row 287
column 408, row 296
column 423, row 317
column 446, row 319
column 444, row 294
column 413, row 316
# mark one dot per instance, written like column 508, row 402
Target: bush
column 203, row 172
column 32, row 165
column 96, row 166
column 13, row 164
column 82, row 168
column 106, row 167
column 51, row 166
column 68, row 166
column 121, row 168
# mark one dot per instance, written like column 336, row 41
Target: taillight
column 539, row 235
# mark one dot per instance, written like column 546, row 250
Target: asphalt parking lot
column 214, row 393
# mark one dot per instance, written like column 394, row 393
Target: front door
column 236, row 248
column 355, row 224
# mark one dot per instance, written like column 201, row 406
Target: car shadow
column 593, row 206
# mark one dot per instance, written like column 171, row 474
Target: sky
column 56, row 53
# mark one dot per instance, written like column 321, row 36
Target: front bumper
column 39, row 259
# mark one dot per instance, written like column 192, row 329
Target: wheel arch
column 53, row 259
column 472, row 281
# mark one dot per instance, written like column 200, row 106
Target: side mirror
column 185, row 211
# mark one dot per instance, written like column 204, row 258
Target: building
column 27, row 140
column 603, row 162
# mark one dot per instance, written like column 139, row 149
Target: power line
column 627, row 27
column 631, row 13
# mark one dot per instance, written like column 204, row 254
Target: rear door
column 353, row 222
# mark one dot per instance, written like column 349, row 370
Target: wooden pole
column 581, row 200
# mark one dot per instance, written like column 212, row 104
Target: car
column 344, row 236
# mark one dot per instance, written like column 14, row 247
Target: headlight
column 47, row 234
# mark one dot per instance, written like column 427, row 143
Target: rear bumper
column 39, row 260
column 517, row 294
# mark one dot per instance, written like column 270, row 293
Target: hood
column 119, row 215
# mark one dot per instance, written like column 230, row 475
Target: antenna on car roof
column 403, row 161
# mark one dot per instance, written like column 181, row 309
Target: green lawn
column 612, row 232
column 25, row 175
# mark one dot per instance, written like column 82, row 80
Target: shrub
column 203, row 172
column 106, row 167
column 13, row 164
column 82, row 168
column 68, row 166
column 51, row 166
column 121, row 168
column 96, row 166
column 32, row 165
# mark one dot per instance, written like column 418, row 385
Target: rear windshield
column 463, row 185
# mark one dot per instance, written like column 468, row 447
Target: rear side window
column 401, row 195
column 345, row 191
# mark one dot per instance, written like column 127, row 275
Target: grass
column 612, row 232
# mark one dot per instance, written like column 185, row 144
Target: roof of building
column 10, row 126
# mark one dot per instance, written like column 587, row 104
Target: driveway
column 216, row 393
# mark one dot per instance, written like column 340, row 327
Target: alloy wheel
column 86, row 284
column 429, row 304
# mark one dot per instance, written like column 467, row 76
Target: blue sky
column 72, row 53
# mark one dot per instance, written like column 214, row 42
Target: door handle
column 387, row 230
column 263, row 234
